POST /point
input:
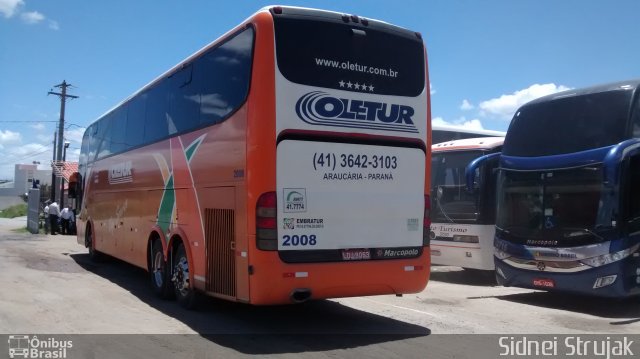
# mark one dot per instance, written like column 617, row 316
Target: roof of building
column 64, row 169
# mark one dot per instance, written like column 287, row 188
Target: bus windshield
column 579, row 123
column 540, row 206
column 371, row 59
column 451, row 202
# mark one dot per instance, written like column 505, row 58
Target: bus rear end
column 345, row 211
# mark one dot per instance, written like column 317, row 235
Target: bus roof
column 612, row 86
column 480, row 143
column 454, row 128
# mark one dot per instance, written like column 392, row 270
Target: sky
column 486, row 57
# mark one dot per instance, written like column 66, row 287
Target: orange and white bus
column 285, row 161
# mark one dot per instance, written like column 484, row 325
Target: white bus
column 463, row 221
column 444, row 133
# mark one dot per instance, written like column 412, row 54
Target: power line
column 16, row 121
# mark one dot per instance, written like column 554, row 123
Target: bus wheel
column 94, row 255
column 183, row 288
column 158, row 272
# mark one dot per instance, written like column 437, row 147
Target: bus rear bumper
column 295, row 283
column 592, row 282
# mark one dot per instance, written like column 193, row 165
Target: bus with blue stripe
column 568, row 193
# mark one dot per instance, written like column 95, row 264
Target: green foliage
column 18, row 210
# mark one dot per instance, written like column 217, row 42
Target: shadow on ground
column 457, row 275
column 626, row 310
column 313, row 326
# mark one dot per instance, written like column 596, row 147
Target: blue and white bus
column 463, row 221
column 568, row 203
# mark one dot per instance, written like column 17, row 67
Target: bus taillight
column 426, row 220
column 266, row 222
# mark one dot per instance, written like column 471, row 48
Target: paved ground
column 50, row 286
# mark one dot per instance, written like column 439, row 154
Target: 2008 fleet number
column 296, row 240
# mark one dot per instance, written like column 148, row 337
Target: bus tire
column 94, row 255
column 158, row 273
column 183, row 288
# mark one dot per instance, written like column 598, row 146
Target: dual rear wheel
column 171, row 278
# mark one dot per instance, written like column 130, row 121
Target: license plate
column 356, row 254
column 436, row 252
column 545, row 283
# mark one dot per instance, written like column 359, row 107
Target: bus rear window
column 569, row 124
column 318, row 52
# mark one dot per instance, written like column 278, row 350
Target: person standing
column 64, row 220
column 46, row 217
column 54, row 212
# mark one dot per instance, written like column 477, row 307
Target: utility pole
column 63, row 99
column 53, row 173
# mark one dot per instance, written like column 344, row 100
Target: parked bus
column 444, row 133
column 284, row 162
column 568, row 197
column 463, row 221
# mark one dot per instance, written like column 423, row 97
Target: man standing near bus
column 65, row 214
column 46, row 217
column 54, row 212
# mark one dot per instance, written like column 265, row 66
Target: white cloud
column 505, row 105
column 432, row 91
column 74, row 135
column 9, row 7
column 44, row 138
column 53, row 25
column 9, row 137
column 462, row 122
column 37, row 126
column 32, row 17
column 466, row 105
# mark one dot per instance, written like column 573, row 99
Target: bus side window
column 636, row 119
column 135, row 120
column 222, row 76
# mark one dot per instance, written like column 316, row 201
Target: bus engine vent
column 221, row 251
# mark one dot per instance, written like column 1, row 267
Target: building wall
column 23, row 179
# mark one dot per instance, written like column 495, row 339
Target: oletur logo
column 320, row 108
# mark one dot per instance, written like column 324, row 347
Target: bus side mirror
column 73, row 185
column 472, row 172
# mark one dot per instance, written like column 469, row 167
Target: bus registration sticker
column 544, row 282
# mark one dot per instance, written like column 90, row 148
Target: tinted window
column 222, row 77
column 331, row 54
column 569, row 124
column 451, row 202
column 203, row 92
column 117, row 130
column 135, row 121
column 157, row 121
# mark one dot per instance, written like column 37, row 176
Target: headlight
column 605, row 259
column 500, row 254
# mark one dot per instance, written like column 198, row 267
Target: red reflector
column 264, row 222
column 288, row 275
column 543, row 282
column 418, row 268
